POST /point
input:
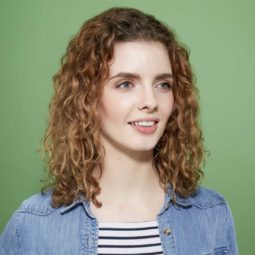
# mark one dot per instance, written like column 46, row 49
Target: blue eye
column 128, row 85
column 125, row 84
column 166, row 85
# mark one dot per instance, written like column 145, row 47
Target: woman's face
column 138, row 87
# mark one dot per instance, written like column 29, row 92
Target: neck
column 128, row 175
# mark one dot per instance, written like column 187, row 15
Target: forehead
column 139, row 56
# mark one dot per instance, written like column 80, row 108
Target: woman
column 124, row 151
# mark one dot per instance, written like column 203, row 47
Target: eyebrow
column 137, row 76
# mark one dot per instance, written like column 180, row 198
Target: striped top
column 119, row 238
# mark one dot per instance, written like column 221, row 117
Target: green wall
column 220, row 34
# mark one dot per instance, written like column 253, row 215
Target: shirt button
column 167, row 231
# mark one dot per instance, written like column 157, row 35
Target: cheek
column 167, row 105
column 115, row 105
column 114, row 108
column 171, row 104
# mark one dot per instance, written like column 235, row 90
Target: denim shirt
column 198, row 225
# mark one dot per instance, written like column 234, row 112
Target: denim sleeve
column 9, row 243
column 231, row 232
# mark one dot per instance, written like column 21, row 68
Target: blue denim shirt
column 199, row 225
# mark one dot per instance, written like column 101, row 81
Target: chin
column 144, row 148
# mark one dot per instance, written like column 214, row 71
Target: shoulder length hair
column 71, row 144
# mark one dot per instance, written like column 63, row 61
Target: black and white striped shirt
column 120, row 238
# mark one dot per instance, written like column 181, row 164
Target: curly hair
column 71, row 143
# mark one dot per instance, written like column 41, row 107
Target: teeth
column 144, row 123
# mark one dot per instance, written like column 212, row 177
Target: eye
column 166, row 85
column 125, row 85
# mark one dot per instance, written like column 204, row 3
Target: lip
column 145, row 130
column 144, row 119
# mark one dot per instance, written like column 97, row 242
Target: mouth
column 143, row 123
column 144, row 127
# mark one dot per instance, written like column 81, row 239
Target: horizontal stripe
column 129, row 246
column 129, row 241
column 128, row 229
column 136, row 238
column 122, row 233
column 126, row 237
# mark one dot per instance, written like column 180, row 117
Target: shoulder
column 39, row 204
column 218, row 213
column 35, row 220
column 19, row 225
column 205, row 198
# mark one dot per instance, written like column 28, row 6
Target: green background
column 221, row 37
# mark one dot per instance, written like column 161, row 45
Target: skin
column 128, row 173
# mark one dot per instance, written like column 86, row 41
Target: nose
column 148, row 100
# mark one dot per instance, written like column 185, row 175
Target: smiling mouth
column 148, row 123
column 145, row 129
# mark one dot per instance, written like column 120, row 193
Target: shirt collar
column 79, row 200
column 180, row 201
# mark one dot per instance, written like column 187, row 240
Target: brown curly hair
column 71, row 144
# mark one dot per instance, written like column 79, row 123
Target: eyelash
column 127, row 82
